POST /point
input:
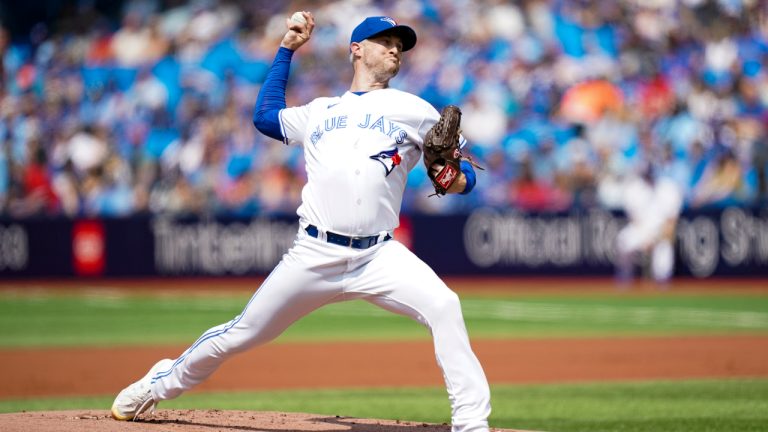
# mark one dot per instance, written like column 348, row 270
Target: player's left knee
column 447, row 304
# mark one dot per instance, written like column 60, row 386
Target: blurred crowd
column 563, row 101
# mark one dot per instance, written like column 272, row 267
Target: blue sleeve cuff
column 469, row 173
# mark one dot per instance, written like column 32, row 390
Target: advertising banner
column 731, row 242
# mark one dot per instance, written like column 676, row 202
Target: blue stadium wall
column 730, row 242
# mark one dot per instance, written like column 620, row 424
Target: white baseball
column 299, row 18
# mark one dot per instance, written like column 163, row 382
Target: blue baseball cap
column 376, row 25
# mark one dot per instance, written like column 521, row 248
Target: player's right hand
column 298, row 33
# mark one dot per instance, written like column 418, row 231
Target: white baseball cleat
column 137, row 397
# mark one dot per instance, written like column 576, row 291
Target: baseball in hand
column 298, row 17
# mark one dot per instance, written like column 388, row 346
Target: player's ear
column 354, row 49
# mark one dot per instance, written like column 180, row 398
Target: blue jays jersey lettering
column 380, row 124
column 392, row 130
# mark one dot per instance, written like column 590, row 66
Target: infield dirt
column 98, row 371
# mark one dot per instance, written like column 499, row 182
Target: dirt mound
column 206, row 421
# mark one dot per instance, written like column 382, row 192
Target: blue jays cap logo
column 376, row 25
column 389, row 158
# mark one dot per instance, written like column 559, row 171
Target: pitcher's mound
column 206, row 421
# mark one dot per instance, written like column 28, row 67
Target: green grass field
column 55, row 319
column 46, row 319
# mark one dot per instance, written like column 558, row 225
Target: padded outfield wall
column 729, row 242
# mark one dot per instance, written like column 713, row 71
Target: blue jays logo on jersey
column 389, row 158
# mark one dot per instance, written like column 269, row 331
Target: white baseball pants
column 314, row 273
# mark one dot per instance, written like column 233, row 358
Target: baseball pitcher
column 358, row 148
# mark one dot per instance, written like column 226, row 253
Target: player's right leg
column 301, row 282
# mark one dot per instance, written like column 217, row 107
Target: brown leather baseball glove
column 442, row 155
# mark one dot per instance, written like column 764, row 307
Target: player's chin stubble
column 385, row 70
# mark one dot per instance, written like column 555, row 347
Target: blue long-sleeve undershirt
column 271, row 97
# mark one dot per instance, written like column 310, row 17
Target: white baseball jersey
column 358, row 151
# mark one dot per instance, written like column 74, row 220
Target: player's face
column 383, row 55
